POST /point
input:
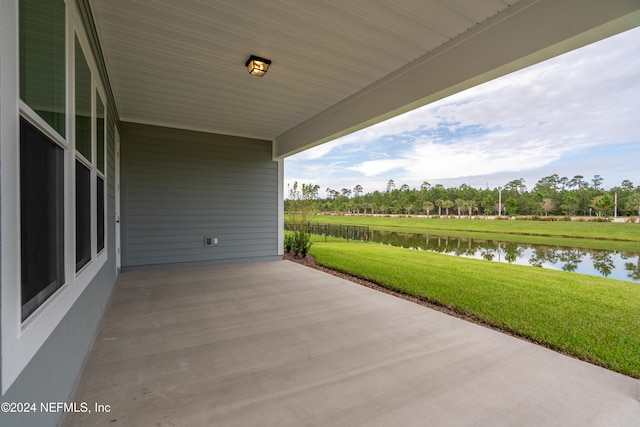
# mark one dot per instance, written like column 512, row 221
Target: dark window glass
column 83, row 104
column 83, row 215
column 100, row 212
column 42, row 59
column 41, row 217
column 99, row 133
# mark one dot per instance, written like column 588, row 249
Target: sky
column 576, row 114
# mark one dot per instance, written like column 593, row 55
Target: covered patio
column 277, row 343
column 133, row 139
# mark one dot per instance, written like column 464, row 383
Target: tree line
column 551, row 195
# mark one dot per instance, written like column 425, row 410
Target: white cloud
column 527, row 121
column 319, row 151
column 437, row 161
column 463, row 158
column 377, row 167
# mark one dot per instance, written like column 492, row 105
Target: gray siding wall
column 179, row 186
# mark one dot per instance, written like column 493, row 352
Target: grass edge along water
column 611, row 231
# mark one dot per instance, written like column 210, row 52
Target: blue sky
column 576, row 114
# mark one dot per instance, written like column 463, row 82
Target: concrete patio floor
column 280, row 344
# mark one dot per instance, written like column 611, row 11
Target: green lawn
column 563, row 229
column 594, row 319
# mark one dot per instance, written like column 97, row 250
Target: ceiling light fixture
column 257, row 66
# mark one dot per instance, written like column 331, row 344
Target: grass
column 622, row 232
column 591, row 318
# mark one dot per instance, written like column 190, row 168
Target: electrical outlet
column 209, row 241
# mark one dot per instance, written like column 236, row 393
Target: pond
column 595, row 262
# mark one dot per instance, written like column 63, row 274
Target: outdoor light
column 257, row 66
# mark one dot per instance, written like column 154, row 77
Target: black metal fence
column 349, row 232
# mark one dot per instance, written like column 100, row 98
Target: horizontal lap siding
column 179, row 186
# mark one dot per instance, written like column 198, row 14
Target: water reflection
column 633, row 270
column 616, row 265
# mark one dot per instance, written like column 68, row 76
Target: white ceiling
column 181, row 63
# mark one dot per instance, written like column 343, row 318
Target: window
column 100, row 134
column 100, row 213
column 42, row 60
column 83, row 104
column 100, row 164
column 42, row 88
column 41, row 217
column 84, row 157
column 83, row 215
column 54, row 173
column 43, row 147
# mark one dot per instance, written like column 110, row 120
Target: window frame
column 83, row 241
column 22, row 339
column 47, row 140
column 87, row 272
column 99, row 98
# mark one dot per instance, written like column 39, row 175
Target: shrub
column 299, row 242
column 289, row 242
column 302, row 243
column 592, row 219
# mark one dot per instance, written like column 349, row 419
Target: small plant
column 302, row 243
column 299, row 242
column 289, row 242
